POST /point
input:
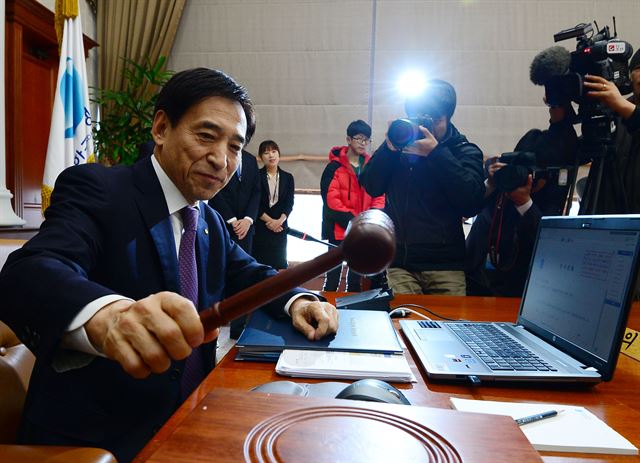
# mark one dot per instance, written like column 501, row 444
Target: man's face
column 358, row 143
column 440, row 127
column 200, row 154
column 635, row 84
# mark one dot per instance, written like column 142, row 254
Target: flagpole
column 7, row 216
column 70, row 136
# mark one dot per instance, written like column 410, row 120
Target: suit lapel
column 233, row 192
column 162, row 234
column 265, row 184
column 202, row 253
column 282, row 180
column 156, row 217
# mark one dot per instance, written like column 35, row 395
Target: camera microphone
column 303, row 236
column 551, row 62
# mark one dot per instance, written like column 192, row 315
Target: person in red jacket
column 343, row 197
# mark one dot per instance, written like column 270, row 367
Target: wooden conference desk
column 616, row 402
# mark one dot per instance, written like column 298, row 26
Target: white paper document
column 575, row 429
column 344, row 365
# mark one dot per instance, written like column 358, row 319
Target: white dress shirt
column 76, row 337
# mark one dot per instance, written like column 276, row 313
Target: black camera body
column 403, row 132
column 519, row 165
column 600, row 54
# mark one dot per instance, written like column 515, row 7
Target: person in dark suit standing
column 107, row 294
column 276, row 203
column 238, row 202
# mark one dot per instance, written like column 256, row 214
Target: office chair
column 16, row 363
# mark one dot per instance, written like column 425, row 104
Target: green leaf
column 127, row 116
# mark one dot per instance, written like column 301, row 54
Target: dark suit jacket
column 517, row 239
column 108, row 231
column 240, row 198
column 286, row 190
column 269, row 247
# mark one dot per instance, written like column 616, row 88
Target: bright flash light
column 412, row 83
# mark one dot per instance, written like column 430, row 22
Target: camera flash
column 412, row 83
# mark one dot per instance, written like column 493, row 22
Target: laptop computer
column 572, row 316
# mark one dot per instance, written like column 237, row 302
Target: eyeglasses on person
column 361, row 140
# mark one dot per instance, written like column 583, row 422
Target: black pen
column 536, row 417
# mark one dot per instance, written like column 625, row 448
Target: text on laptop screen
column 577, row 285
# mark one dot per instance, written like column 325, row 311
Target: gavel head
column 370, row 242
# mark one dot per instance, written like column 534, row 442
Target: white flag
column 70, row 138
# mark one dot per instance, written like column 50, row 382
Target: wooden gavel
column 368, row 248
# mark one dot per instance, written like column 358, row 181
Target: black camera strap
column 495, row 236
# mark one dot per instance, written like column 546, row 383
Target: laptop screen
column 580, row 284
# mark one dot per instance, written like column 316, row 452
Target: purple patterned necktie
column 193, row 368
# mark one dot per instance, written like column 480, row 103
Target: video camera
column 600, row 54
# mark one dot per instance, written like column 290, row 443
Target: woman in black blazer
column 276, row 203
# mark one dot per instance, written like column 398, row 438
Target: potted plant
column 128, row 113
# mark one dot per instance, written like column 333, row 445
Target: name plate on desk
column 233, row 426
column 631, row 344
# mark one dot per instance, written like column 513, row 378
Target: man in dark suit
column 106, row 295
column 238, row 202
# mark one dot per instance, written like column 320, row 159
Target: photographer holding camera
column 432, row 177
column 522, row 187
column 620, row 187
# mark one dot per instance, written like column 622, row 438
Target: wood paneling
column 38, row 84
column 31, row 71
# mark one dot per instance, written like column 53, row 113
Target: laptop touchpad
column 433, row 334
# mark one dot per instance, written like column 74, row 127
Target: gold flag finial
column 65, row 9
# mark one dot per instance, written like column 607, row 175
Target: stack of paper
column 344, row 365
column 359, row 331
column 575, row 429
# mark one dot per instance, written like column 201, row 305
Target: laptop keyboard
column 497, row 350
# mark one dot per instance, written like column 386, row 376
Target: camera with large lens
column 519, row 165
column 601, row 54
column 403, row 132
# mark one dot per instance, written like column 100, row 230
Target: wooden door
column 31, row 73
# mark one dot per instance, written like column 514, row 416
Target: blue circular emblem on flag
column 71, row 86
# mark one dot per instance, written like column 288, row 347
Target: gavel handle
column 269, row 289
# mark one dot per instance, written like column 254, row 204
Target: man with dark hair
column 343, row 197
column 124, row 260
column 430, row 185
column 620, row 188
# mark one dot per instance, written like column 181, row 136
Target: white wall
column 309, row 68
